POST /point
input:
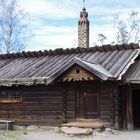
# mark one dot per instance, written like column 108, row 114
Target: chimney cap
column 84, row 13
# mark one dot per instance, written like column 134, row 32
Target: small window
column 77, row 71
column 8, row 95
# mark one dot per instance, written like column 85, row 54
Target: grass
column 11, row 135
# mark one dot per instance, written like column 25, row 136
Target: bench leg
column 7, row 126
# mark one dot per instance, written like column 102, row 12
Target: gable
column 77, row 73
column 92, row 68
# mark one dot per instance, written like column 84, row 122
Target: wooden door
column 88, row 103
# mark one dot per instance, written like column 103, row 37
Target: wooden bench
column 9, row 124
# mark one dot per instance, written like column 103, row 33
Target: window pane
column 10, row 95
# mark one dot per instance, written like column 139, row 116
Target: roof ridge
column 59, row 51
column 87, row 61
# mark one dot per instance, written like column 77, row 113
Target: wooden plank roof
column 94, row 68
column 28, row 68
column 133, row 73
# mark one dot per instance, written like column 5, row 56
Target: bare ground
column 43, row 134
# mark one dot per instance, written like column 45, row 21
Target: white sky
column 54, row 22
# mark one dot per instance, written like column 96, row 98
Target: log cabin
column 57, row 86
column 53, row 87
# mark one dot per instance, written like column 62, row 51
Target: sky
column 53, row 23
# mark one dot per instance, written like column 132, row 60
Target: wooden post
column 65, row 106
column 116, row 102
column 129, row 110
column 123, row 101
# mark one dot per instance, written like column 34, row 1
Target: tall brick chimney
column 83, row 29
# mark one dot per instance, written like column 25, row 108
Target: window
column 10, row 95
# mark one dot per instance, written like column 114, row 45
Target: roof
column 133, row 73
column 43, row 67
column 94, row 68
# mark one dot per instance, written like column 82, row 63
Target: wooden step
column 85, row 124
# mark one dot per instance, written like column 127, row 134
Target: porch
column 87, row 123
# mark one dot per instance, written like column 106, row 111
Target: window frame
column 9, row 91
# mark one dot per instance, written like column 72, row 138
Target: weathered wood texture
column 78, row 74
column 109, row 104
column 71, row 104
column 133, row 73
column 41, row 105
column 32, row 68
column 108, row 101
column 129, row 108
column 123, row 107
column 53, row 105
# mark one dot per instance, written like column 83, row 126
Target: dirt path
column 51, row 135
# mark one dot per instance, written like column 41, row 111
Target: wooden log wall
column 127, row 107
column 106, row 105
column 117, row 107
column 54, row 105
column 110, row 104
column 71, row 104
column 41, row 105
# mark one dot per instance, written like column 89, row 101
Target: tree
column 14, row 27
column 101, row 38
column 128, row 30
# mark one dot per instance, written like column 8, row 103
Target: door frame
column 127, row 106
column 78, row 90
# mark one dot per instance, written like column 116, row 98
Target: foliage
column 14, row 27
column 101, row 38
column 128, row 30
